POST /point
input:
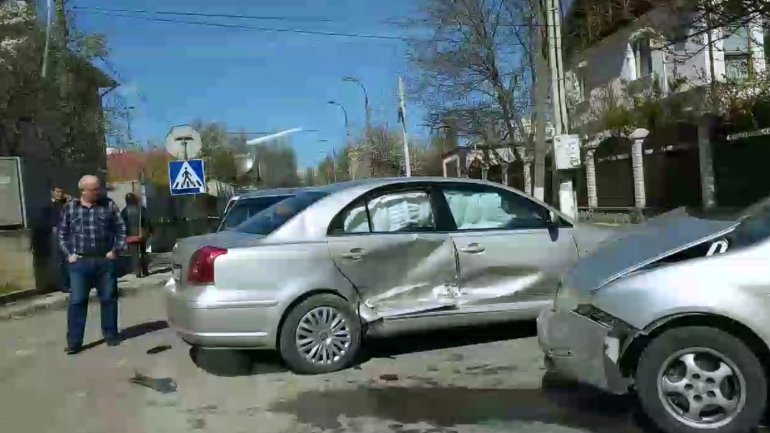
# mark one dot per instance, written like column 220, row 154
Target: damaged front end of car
column 597, row 316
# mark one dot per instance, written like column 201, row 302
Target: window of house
column 643, row 57
column 681, row 33
column 737, row 48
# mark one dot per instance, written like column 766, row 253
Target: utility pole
column 541, row 94
column 566, row 193
column 44, row 70
column 62, row 71
column 402, row 118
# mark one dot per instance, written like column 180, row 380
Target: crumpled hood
column 639, row 245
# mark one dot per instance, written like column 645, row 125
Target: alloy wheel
column 701, row 387
column 323, row 336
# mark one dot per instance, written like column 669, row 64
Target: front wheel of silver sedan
column 701, row 379
column 321, row 334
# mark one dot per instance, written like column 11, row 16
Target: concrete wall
column 17, row 269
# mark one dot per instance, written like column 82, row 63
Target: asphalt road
column 481, row 380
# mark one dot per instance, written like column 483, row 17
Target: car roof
column 267, row 193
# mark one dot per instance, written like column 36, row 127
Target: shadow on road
column 457, row 337
column 557, row 403
column 230, row 363
column 132, row 332
column 233, row 363
column 143, row 329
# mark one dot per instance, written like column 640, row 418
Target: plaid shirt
column 91, row 231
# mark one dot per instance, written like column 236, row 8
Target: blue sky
column 258, row 81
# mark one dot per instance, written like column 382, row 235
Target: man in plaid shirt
column 91, row 235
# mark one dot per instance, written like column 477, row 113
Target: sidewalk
column 160, row 270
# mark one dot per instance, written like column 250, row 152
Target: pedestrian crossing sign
column 187, row 177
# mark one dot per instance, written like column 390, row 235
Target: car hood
column 638, row 246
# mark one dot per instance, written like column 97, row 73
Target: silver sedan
column 311, row 275
column 676, row 309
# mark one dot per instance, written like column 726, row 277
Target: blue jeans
column 86, row 273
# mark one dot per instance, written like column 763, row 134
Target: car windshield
column 278, row 214
column 246, row 208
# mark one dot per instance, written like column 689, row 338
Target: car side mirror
column 551, row 218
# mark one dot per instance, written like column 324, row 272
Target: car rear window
column 278, row 214
column 246, row 208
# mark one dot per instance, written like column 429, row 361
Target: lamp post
column 365, row 154
column 128, row 111
column 366, row 100
column 334, row 158
column 349, row 144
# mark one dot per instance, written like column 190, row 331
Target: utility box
column 12, row 213
column 24, row 193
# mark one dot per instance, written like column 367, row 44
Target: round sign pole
column 184, row 142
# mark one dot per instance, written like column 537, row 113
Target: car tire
column 723, row 376
column 325, row 322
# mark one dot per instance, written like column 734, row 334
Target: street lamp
column 368, row 140
column 347, row 128
column 334, row 157
column 366, row 99
column 128, row 123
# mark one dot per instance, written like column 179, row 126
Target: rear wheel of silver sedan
column 698, row 379
column 321, row 334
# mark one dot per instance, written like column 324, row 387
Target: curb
column 58, row 301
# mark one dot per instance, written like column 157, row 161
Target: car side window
column 402, row 211
column 486, row 208
column 352, row 220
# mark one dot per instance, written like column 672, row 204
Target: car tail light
column 202, row 265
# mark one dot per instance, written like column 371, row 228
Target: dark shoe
column 72, row 350
column 112, row 342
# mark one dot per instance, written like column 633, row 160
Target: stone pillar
column 706, row 162
column 527, row 169
column 484, row 173
column 593, row 197
column 504, row 173
column 637, row 165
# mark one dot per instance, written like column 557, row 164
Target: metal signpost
column 186, row 175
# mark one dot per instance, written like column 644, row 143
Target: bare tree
column 474, row 67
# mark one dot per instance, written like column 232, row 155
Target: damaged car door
column 510, row 251
column 386, row 244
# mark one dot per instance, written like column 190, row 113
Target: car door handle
column 473, row 248
column 354, row 254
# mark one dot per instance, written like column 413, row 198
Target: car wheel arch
column 299, row 299
column 633, row 350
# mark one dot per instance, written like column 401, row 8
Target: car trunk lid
column 187, row 246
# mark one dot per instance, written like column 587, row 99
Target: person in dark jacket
column 54, row 211
column 137, row 230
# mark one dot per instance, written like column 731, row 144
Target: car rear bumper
column 205, row 321
column 581, row 349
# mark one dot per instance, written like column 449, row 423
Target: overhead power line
column 180, row 13
column 249, row 28
column 209, row 15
